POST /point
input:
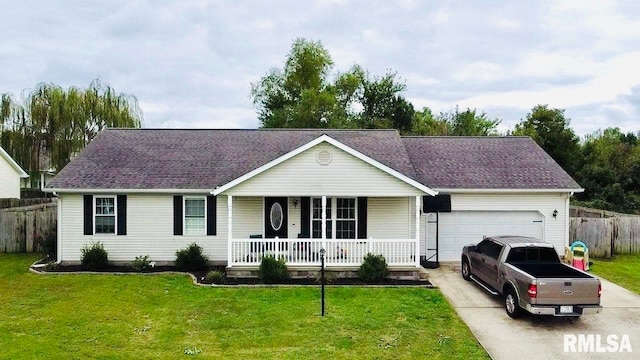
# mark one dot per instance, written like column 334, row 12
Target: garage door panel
column 460, row 228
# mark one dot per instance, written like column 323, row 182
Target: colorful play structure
column 577, row 255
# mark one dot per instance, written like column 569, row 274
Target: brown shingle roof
column 485, row 163
column 204, row 159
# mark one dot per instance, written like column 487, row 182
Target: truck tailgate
column 568, row 291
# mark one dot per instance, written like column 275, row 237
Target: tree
column 50, row 125
column 427, row 124
column 609, row 171
column 301, row 95
column 454, row 123
column 298, row 96
column 550, row 129
column 470, row 123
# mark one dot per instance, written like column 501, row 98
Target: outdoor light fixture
column 555, row 213
column 322, row 252
column 295, row 203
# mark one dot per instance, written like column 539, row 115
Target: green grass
column 623, row 270
column 136, row 316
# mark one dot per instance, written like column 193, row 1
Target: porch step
column 423, row 273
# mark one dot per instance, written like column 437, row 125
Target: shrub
column 141, row 263
column 373, row 269
column 215, row 277
column 94, row 257
column 273, row 270
column 51, row 266
column 191, row 258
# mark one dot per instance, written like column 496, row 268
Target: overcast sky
column 191, row 63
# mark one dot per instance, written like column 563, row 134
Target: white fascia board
column 127, row 191
column 506, row 191
column 339, row 145
column 13, row 163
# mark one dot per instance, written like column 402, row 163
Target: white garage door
column 460, row 228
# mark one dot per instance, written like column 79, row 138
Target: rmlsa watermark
column 596, row 343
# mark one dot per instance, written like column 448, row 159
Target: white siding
column 389, row 218
column 9, row 180
column 150, row 229
column 346, row 175
column 554, row 229
column 247, row 217
column 294, row 217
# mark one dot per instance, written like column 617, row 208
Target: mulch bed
column 201, row 276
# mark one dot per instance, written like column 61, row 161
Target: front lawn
column 137, row 316
column 623, row 270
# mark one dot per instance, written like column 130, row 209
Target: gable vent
column 324, row 157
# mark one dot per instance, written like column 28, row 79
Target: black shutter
column 305, row 218
column 211, row 215
column 122, row 214
column 362, row 218
column 88, row 215
column 177, row 215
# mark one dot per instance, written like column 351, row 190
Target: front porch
column 319, row 223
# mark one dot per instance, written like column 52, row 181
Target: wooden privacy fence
column 607, row 236
column 20, row 227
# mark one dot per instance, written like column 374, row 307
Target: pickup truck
column 528, row 273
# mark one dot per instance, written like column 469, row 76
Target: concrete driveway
column 539, row 337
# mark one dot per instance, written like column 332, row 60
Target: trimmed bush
column 141, row 263
column 373, row 269
column 272, row 270
column 191, row 258
column 215, row 277
column 94, row 257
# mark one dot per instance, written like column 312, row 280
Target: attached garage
column 460, row 228
column 497, row 186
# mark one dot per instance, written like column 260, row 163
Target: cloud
column 191, row 64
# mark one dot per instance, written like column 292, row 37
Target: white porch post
column 417, row 231
column 324, row 222
column 229, row 228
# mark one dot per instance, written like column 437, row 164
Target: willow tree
column 51, row 124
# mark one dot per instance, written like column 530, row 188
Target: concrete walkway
column 536, row 337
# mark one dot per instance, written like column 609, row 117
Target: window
column 341, row 215
column 346, row 218
column 316, row 218
column 105, row 215
column 194, row 216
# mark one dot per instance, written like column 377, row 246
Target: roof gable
column 324, row 139
column 13, row 163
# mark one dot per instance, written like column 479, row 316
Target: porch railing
column 303, row 252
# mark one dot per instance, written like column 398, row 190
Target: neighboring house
column 10, row 176
column 241, row 194
column 40, row 179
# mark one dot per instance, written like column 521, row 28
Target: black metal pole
column 322, row 281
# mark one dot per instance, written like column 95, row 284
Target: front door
column 275, row 217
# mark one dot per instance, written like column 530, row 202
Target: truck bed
column 550, row 270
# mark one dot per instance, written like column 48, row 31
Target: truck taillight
column 599, row 290
column 532, row 290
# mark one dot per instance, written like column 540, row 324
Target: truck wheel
column 466, row 270
column 511, row 304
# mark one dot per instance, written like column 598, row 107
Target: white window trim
column 334, row 215
column 115, row 214
column 355, row 214
column 184, row 215
column 330, row 203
